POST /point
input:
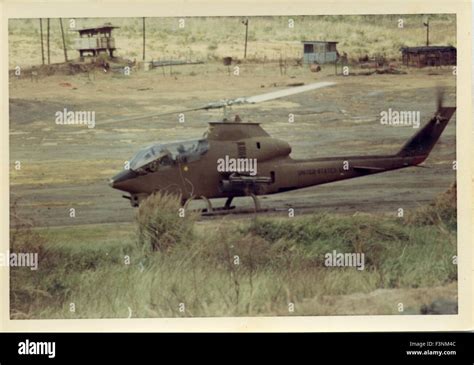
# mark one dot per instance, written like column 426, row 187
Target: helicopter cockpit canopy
column 157, row 156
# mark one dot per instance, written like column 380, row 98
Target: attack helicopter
column 236, row 158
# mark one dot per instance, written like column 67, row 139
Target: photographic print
column 232, row 166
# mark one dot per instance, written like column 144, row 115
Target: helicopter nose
column 117, row 181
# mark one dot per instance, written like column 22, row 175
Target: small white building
column 319, row 52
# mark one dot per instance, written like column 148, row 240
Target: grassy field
column 214, row 37
column 167, row 266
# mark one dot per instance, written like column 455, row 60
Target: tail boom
column 304, row 173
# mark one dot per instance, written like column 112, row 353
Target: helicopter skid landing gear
column 185, row 202
column 228, row 203
column 208, row 204
column 256, row 202
column 227, row 208
column 209, row 208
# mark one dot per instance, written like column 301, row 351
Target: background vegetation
column 215, row 37
column 232, row 268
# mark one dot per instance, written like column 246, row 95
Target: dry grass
column 161, row 224
column 269, row 37
column 233, row 269
column 441, row 213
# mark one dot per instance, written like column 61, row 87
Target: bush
column 402, row 255
column 221, row 247
column 442, row 212
column 159, row 223
column 23, row 237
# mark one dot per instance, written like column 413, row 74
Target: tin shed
column 319, row 52
column 429, row 56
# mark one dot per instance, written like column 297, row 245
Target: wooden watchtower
column 96, row 40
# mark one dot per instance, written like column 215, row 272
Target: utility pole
column 427, row 25
column 143, row 38
column 246, row 23
column 47, row 42
column 42, row 47
column 64, row 42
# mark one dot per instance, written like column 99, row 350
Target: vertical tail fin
column 423, row 141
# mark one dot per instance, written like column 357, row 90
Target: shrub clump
column 160, row 224
column 442, row 212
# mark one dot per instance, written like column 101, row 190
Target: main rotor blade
column 145, row 116
column 285, row 92
column 229, row 102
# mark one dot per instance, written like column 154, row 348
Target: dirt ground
column 64, row 166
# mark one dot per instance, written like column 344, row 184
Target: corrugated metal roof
column 319, row 42
column 427, row 49
column 101, row 27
